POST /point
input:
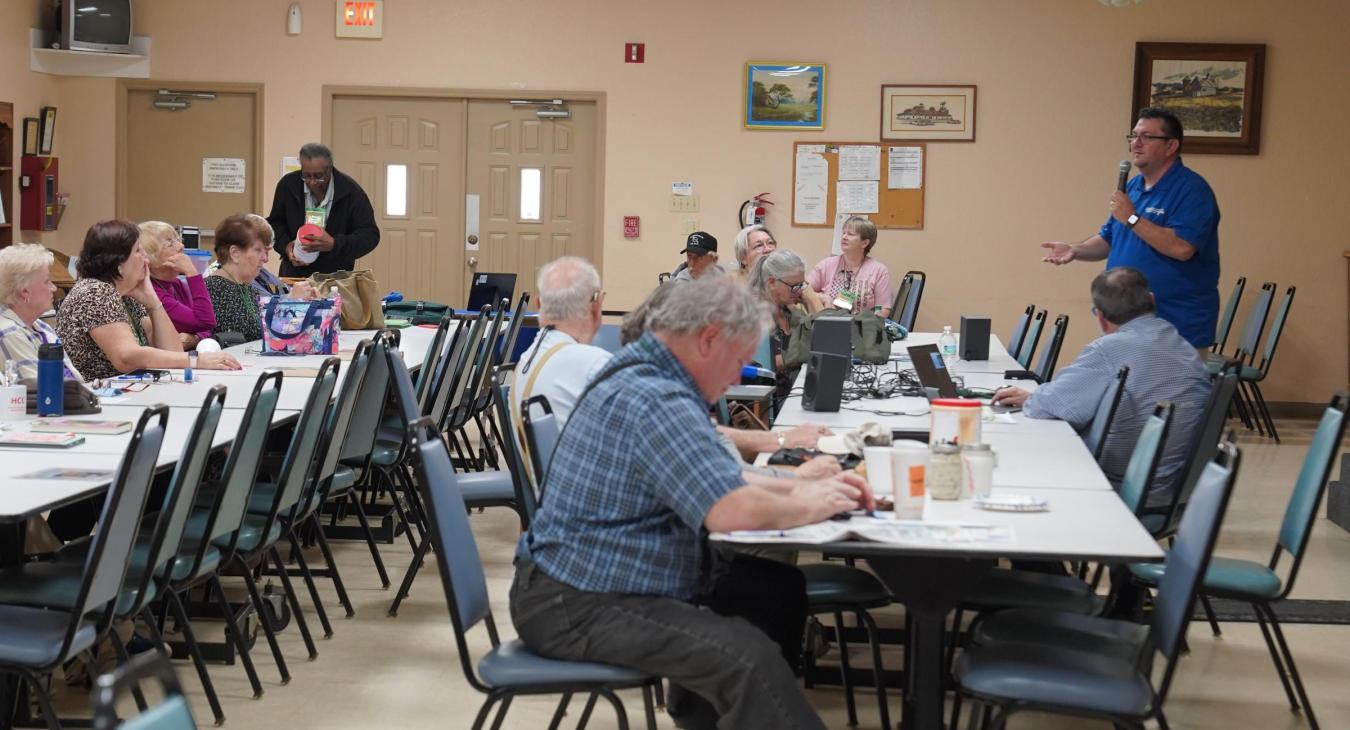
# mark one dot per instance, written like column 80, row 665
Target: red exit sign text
column 360, row 18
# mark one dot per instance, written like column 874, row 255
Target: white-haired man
column 613, row 567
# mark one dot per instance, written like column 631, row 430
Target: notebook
column 27, row 439
column 78, row 425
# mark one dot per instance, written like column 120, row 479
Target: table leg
column 929, row 587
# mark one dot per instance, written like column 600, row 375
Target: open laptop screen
column 932, row 371
column 491, row 289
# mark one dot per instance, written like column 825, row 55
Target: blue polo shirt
column 1187, row 291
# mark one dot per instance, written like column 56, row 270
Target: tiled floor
column 404, row 673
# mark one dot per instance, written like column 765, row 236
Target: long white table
column 21, row 498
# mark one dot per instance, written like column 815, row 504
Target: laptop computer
column 932, row 372
column 491, row 289
column 936, row 380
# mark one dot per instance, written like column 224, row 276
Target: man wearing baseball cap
column 700, row 256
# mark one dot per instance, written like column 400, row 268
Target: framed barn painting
column 1213, row 88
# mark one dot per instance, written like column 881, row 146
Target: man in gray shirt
column 1163, row 366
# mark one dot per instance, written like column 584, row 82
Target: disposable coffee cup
column 878, row 461
column 13, row 402
column 909, row 459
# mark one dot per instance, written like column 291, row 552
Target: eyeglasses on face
column 1132, row 136
column 315, row 177
column 794, row 288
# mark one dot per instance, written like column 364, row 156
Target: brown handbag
column 360, row 297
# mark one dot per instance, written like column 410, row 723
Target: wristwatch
column 1133, row 219
column 782, row 440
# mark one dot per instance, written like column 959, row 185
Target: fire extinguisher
column 752, row 211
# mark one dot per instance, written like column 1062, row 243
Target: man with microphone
column 1165, row 223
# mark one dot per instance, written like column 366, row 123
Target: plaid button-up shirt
column 635, row 472
column 19, row 344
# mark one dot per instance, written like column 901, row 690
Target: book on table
column 78, row 425
column 878, row 529
column 28, row 439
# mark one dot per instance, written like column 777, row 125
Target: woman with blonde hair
column 178, row 283
column 854, row 279
column 26, row 291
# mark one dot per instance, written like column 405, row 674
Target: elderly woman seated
column 177, row 282
column 26, row 291
column 112, row 322
column 242, row 249
column 779, row 280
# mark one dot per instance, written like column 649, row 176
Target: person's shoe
column 139, row 644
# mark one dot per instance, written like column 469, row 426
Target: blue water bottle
column 51, row 380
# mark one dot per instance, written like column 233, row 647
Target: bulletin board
column 896, row 207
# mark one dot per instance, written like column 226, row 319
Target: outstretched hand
column 1059, row 252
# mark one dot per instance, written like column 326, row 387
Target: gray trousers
column 724, row 659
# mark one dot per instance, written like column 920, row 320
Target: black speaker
column 832, row 336
column 824, row 384
column 974, row 337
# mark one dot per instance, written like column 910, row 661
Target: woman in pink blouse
column 854, row 275
column 185, row 300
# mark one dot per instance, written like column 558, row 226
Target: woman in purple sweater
column 176, row 281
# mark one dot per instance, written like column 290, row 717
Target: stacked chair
column 1031, row 337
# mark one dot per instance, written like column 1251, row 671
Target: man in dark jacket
column 318, row 193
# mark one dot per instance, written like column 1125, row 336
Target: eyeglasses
column 1131, row 137
column 597, row 296
column 794, row 288
column 316, row 177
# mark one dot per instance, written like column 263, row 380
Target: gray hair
column 743, row 241
column 777, row 265
column 712, row 301
column 1121, row 294
column 315, row 150
column 566, row 287
column 18, row 263
column 153, row 234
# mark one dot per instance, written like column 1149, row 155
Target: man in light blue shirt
column 1165, row 223
column 1163, row 367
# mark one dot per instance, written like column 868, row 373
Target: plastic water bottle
column 947, row 346
column 51, row 380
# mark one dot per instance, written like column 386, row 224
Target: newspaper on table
column 878, row 529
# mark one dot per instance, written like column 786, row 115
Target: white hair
column 743, row 242
column 18, row 264
column 154, row 233
column 711, row 301
column 778, row 264
column 566, row 287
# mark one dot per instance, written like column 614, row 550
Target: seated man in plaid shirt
column 616, row 563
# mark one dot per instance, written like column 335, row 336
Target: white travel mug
column 977, row 469
column 878, row 461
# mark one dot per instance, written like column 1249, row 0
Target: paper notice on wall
column 223, row 175
column 810, row 198
column 839, row 218
column 859, row 162
column 904, row 168
column 289, row 164
column 682, row 188
column 857, row 196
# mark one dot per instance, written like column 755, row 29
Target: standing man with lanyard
column 1165, row 223
column 318, row 193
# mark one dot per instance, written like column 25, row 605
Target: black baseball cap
column 700, row 243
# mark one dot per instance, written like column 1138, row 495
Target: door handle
column 473, row 261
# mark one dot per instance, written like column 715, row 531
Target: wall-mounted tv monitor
column 95, row 25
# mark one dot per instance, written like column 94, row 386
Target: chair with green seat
column 909, row 312
column 157, row 541
column 1099, row 430
column 207, row 546
column 506, row 670
column 1252, row 327
column 1225, row 325
column 1163, row 521
column 1032, row 338
column 836, row 589
column 173, row 713
column 265, row 523
column 1261, row 585
column 477, row 396
column 1250, row 376
column 1045, row 366
column 1019, row 331
column 1047, row 661
column 35, row 639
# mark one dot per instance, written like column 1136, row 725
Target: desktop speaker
column 974, row 337
column 832, row 336
column 824, row 384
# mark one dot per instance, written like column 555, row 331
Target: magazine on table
column 878, row 529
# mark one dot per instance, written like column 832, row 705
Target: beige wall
column 1054, row 82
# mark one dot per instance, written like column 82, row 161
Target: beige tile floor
column 404, row 673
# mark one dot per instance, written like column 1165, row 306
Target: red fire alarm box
column 40, row 203
column 632, row 227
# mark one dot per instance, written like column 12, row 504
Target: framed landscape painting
column 784, row 96
column 1213, row 88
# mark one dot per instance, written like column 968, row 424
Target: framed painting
column 1213, row 88
column 929, row 112
column 784, row 96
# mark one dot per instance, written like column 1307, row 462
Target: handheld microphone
column 750, row 371
column 1124, row 175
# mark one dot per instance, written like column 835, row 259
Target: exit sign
column 360, row 18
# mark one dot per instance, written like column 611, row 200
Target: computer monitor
column 491, row 289
column 932, row 371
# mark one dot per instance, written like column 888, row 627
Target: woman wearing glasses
column 779, row 279
column 242, row 250
column 178, row 283
column 113, row 322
